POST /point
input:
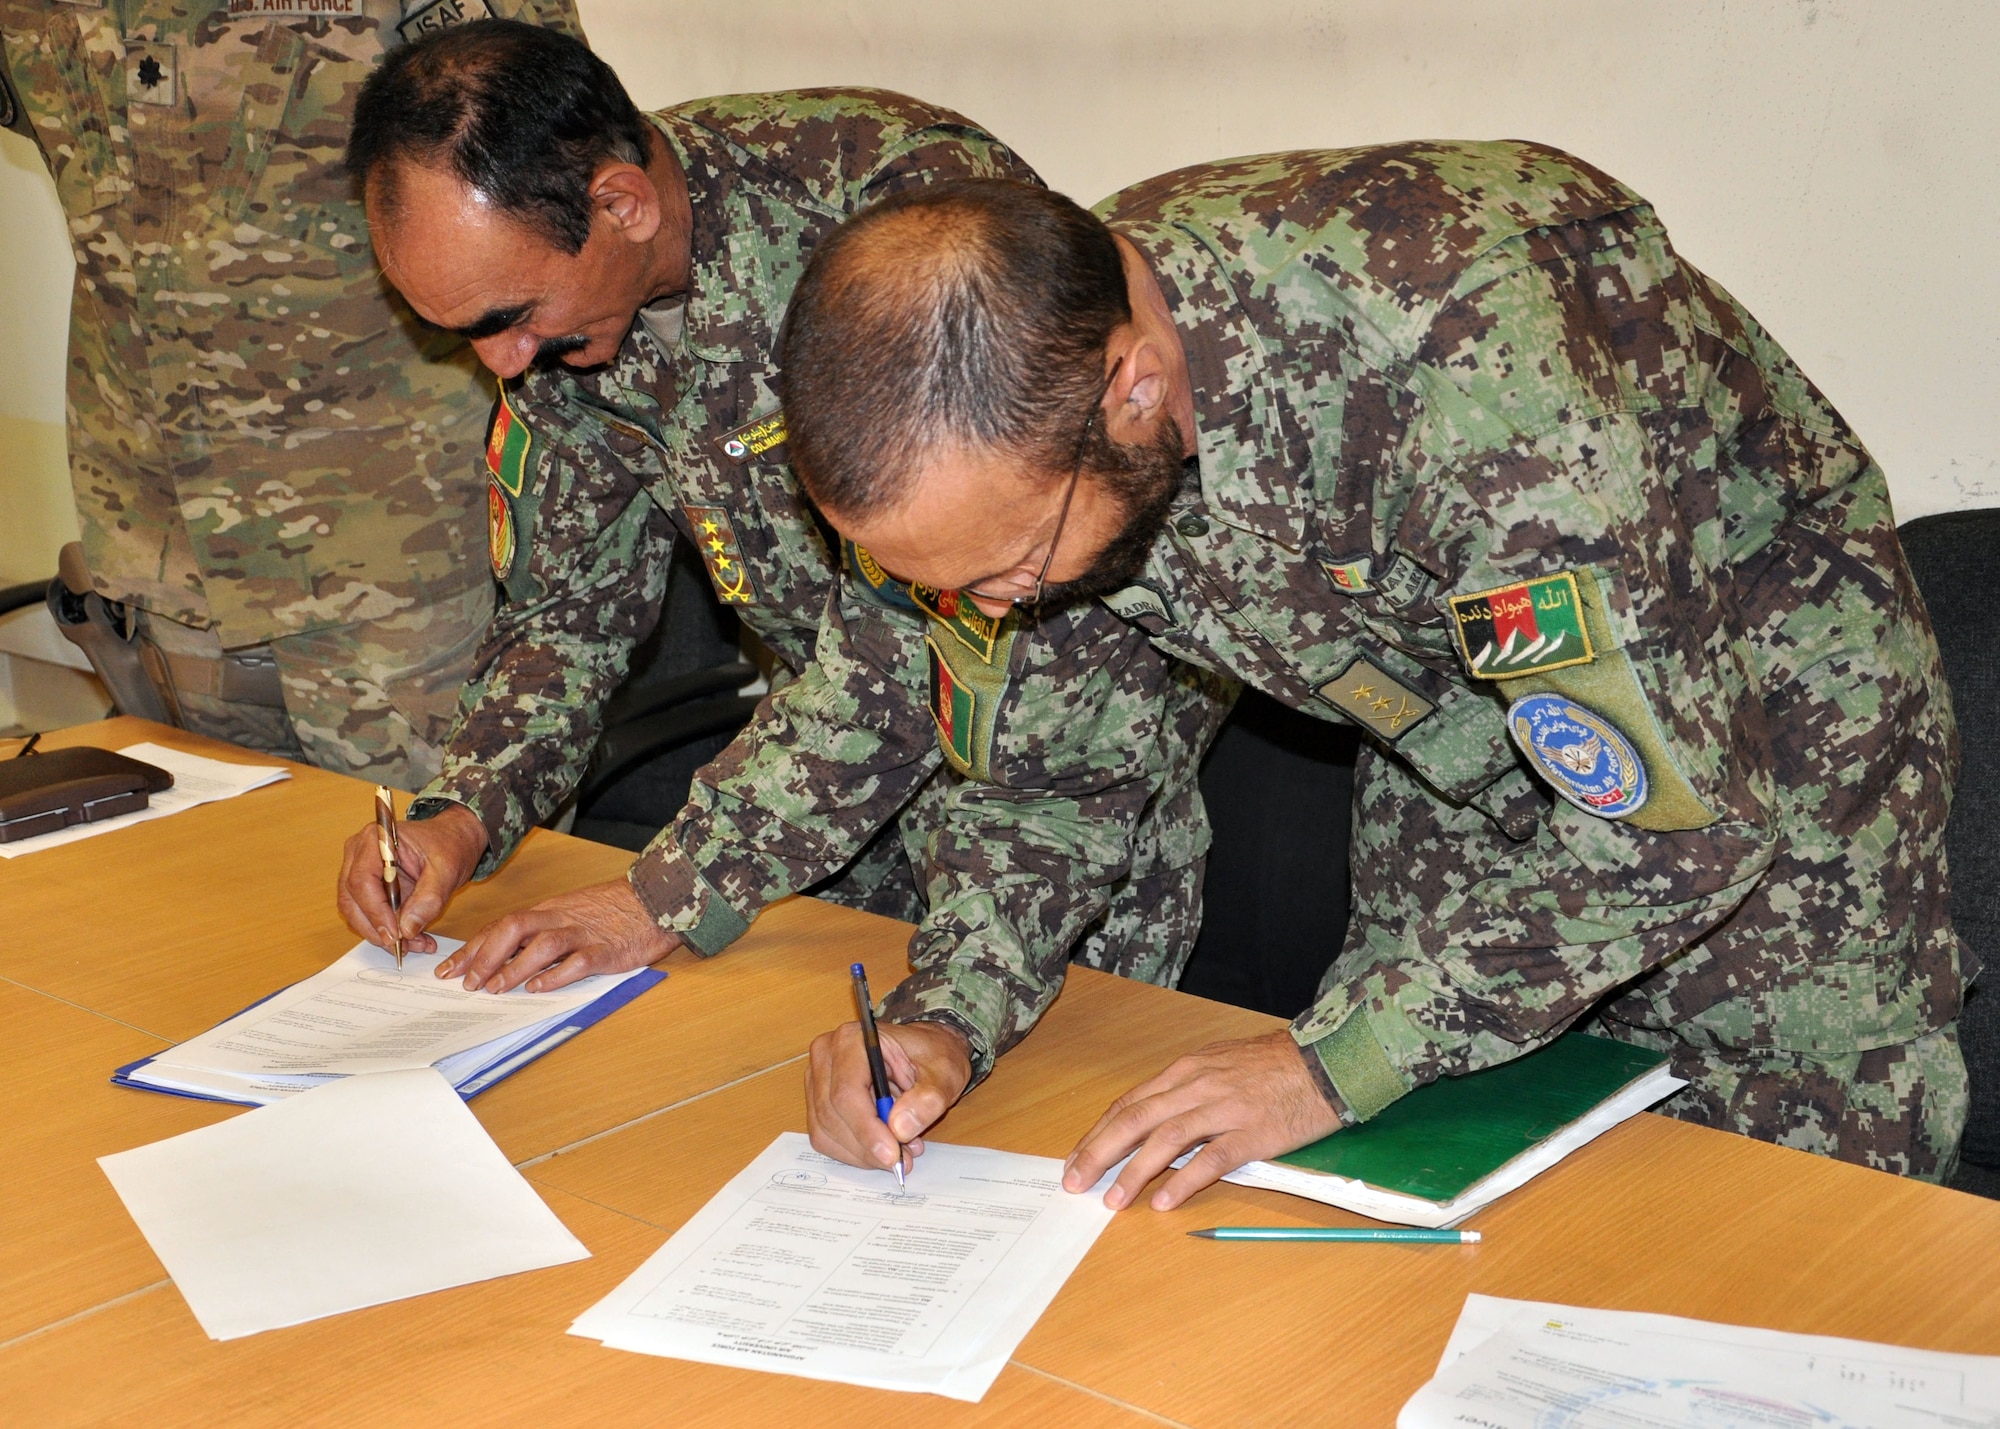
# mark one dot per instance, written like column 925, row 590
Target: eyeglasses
column 1034, row 599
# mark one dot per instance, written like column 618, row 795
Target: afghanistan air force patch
column 1523, row 629
column 507, row 443
column 1581, row 753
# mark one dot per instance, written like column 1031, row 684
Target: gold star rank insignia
column 719, row 552
column 1375, row 702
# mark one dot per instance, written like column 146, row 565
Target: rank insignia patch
column 1581, row 753
column 973, row 629
column 952, row 705
column 1522, row 629
column 751, row 441
column 507, row 442
column 1350, row 577
column 150, row 73
column 1366, row 694
column 499, row 530
column 721, row 554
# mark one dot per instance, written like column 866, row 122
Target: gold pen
column 385, row 837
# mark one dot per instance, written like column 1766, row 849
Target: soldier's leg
column 1899, row 1108
column 231, row 696
column 376, row 699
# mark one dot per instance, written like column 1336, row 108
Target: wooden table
column 113, row 948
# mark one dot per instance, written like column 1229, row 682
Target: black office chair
column 1954, row 557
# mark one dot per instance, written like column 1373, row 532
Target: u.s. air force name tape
column 1585, row 757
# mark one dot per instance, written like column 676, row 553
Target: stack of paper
column 1520, row 1364
column 362, row 1014
column 368, row 1190
column 808, row 1267
column 196, row 781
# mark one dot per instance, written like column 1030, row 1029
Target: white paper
column 363, row 1015
column 196, row 781
column 1514, row 1364
column 1366, row 1200
column 366, row 1190
column 808, row 1267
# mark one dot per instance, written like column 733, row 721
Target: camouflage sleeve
column 1030, row 855
column 829, row 760
column 1514, row 921
column 583, row 590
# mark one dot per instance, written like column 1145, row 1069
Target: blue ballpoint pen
column 864, row 1011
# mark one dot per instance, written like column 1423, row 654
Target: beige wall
column 1830, row 162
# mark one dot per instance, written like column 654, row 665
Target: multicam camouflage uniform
column 595, row 475
column 265, row 448
column 1659, row 738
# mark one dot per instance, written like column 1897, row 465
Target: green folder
column 1443, row 1138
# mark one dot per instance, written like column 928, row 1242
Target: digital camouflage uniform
column 265, row 448
column 596, row 474
column 1658, row 738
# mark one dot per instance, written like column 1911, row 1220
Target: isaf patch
column 1524, row 629
column 420, row 19
column 716, row 540
column 1381, row 704
column 1587, row 759
column 754, row 439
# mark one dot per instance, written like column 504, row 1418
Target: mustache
column 554, row 350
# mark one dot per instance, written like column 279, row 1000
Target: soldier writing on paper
column 1445, row 440
column 625, row 276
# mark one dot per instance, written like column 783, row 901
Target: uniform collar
column 1248, row 477
column 720, row 325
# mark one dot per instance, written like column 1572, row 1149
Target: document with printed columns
column 805, row 1266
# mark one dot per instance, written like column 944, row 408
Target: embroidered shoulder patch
column 499, row 529
column 885, row 587
column 716, row 541
column 1523, row 629
column 953, row 706
column 1582, row 754
column 1364, row 693
column 1349, row 576
column 427, row 17
column 507, row 443
column 754, row 438
column 1141, row 598
column 975, row 630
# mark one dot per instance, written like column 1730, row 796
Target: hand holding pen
column 385, row 830
column 864, row 1011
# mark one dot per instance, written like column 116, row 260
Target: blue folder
column 481, row 1077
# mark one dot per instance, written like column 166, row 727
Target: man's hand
column 928, row 1066
column 434, row 858
column 600, row 929
column 1248, row 1100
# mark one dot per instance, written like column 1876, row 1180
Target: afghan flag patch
column 507, row 443
column 1523, row 629
column 720, row 553
column 952, row 705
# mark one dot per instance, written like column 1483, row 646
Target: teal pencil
column 1398, row 1237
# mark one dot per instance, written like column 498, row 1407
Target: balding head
column 968, row 315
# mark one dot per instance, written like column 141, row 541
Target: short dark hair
column 973, row 312
column 525, row 116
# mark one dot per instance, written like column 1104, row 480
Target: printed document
column 196, row 781
column 363, row 1015
column 365, row 1190
column 805, row 1266
column 1516, row 1364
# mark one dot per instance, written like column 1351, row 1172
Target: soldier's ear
column 1139, row 389
column 624, row 195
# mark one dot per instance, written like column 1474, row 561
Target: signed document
column 805, row 1266
column 1517, row 1364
